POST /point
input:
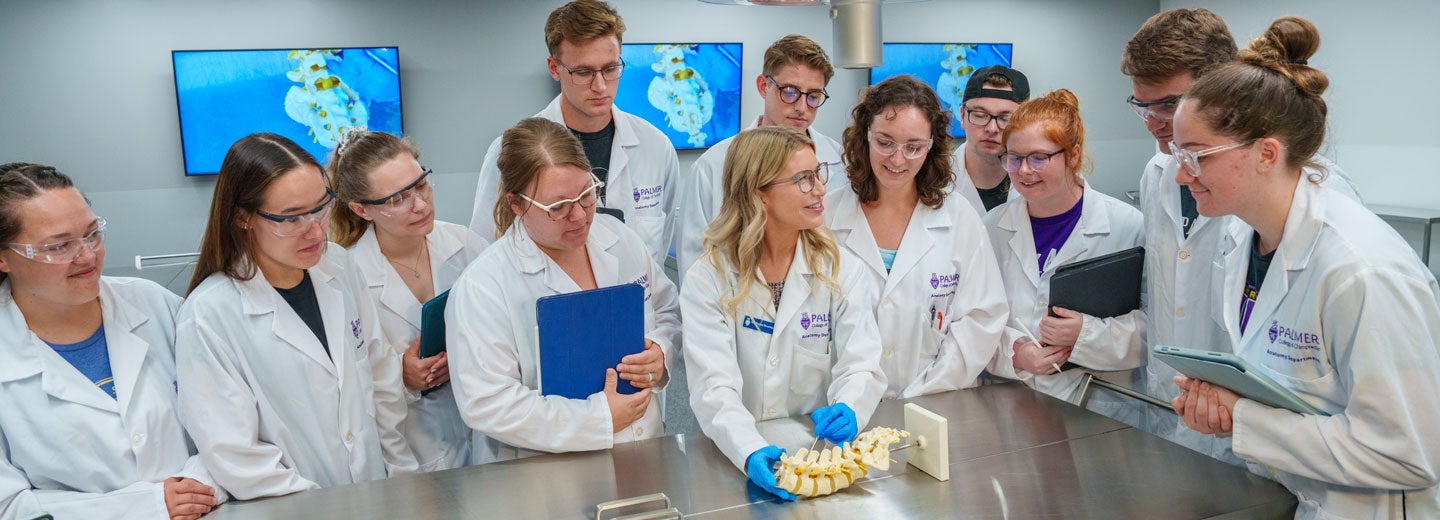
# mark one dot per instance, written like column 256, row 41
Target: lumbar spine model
column 822, row 472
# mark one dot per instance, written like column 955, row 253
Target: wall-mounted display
column 308, row 95
column 944, row 66
column 690, row 91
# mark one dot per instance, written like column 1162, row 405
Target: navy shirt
column 91, row 356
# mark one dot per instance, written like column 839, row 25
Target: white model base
column 930, row 434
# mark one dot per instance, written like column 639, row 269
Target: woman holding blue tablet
column 779, row 321
column 552, row 243
column 1319, row 294
column 387, row 220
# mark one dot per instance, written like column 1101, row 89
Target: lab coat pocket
column 809, row 375
column 649, row 224
column 1321, row 392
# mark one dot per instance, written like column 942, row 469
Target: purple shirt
column 1051, row 232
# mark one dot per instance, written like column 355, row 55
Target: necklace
column 415, row 269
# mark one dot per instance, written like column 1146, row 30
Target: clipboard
column 432, row 325
column 1105, row 286
column 1232, row 372
column 583, row 333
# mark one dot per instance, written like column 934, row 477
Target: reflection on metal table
column 1013, row 452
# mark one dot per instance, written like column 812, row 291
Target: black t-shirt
column 1188, row 212
column 597, row 150
column 994, row 196
column 302, row 298
column 1254, row 278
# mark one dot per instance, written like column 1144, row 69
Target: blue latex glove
column 760, row 467
column 835, row 423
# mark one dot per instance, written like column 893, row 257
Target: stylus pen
column 1033, row 340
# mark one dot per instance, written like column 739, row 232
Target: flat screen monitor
column 690, row 91
column 308, row 95
column 944, row 66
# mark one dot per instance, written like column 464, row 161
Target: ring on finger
column 652, row 376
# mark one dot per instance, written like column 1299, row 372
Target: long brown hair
column 757, row 157
column 359, row 153
column 20, row 182
column 526, row 149
column 936, row 175
column 249, row 167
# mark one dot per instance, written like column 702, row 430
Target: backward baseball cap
column 975, row 87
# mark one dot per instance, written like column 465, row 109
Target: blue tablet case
column 1232, row 372
column 432, row 325
column 583, row 333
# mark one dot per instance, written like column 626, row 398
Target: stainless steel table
column 1427, row 218
column 1014, row 453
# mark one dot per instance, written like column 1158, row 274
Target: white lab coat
column 965, row 186
column 432, row 426
column 643, row 178
column 69, row 448
column 1106, row 226
column 269, row 412
column 703, row 191
column 945, row 264
column 823, row 348
column 491, row 334
column 1349, row 320
column 1180, row 287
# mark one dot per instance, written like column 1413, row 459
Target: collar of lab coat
column 378, row 272
column 1297, row 245
column 529, row 259
column 795, row 293
column 258, row 297
column 1166, row 167
column 919, row 236
column 1015, row 218
column 32, row 356
column 624, row 134
column 827, row 150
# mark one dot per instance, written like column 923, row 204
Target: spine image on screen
column 307, row 95
column 944, row 66
column 322, row 100
column 691, row 92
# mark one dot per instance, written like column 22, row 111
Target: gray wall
column 1384, row 123
column 87, row 84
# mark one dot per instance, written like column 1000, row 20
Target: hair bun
column 1064, row 96
column 1286, row 48
column 348, row 137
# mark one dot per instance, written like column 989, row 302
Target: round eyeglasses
column 297, row 224
column 66, row 251
column 910, row 150
column 806, row 180
column 403, row 201
column 790, row 94
column 1037, row 161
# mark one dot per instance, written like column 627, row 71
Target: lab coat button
column 1184, row 254
column 639, row 431
column 887, row 353
column 1180, row 312
column 349, row 437
column 775, row 361
column 885, row 302
column 137, row 439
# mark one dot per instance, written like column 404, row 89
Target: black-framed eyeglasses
column 807, row 179
column 66, row 251
column 1162, row 110
column 1037, row 161
column 790, row 94
column 587, row 76
column 297, row 224
column 981, row 118
column 404, row 200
